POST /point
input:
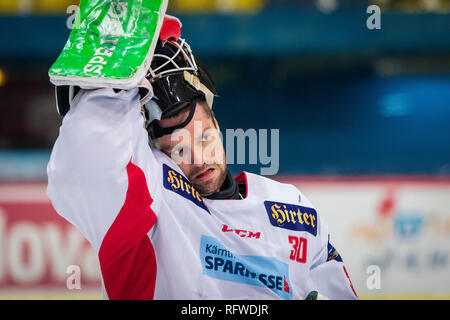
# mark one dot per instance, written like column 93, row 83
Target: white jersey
column 157, row 238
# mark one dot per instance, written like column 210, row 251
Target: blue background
column 347, row 100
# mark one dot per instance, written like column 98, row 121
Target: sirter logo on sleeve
column 176, row 182
column 292, row 217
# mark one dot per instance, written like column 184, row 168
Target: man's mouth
column 205, row 175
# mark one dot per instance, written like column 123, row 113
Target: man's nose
column 197, row 155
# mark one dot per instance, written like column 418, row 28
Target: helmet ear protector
column 179, row 80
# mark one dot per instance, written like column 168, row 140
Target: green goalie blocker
column 111, row 44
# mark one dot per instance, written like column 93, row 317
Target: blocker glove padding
column 110, row 46
column 170, row 30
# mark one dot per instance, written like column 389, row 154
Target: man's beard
column 214, row 184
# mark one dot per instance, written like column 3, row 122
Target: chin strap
column 156, row 131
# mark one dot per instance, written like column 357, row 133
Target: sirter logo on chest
column 292, row 217
column 282, row 216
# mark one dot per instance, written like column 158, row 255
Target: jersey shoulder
column 272, row 189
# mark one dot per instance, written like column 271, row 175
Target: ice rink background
column 363, row 117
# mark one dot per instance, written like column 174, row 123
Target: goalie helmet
column 179, row 80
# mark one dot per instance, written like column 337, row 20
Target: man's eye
column 177, row 152
column 206, row 137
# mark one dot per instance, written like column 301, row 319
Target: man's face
column 197, row 149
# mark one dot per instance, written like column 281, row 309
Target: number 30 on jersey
column 299, row 249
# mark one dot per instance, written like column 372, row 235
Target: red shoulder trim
column 242, row 178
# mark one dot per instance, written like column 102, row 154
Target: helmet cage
column 178, row 79
column 182, row 48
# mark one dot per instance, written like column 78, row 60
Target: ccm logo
column 241, row 233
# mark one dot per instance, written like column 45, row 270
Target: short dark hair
column 206, row 108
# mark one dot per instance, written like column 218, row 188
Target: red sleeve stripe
column 127, row 257
column 351, row 284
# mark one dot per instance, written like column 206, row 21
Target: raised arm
column 88, row 169
column 99, row 179
column 101, row 170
